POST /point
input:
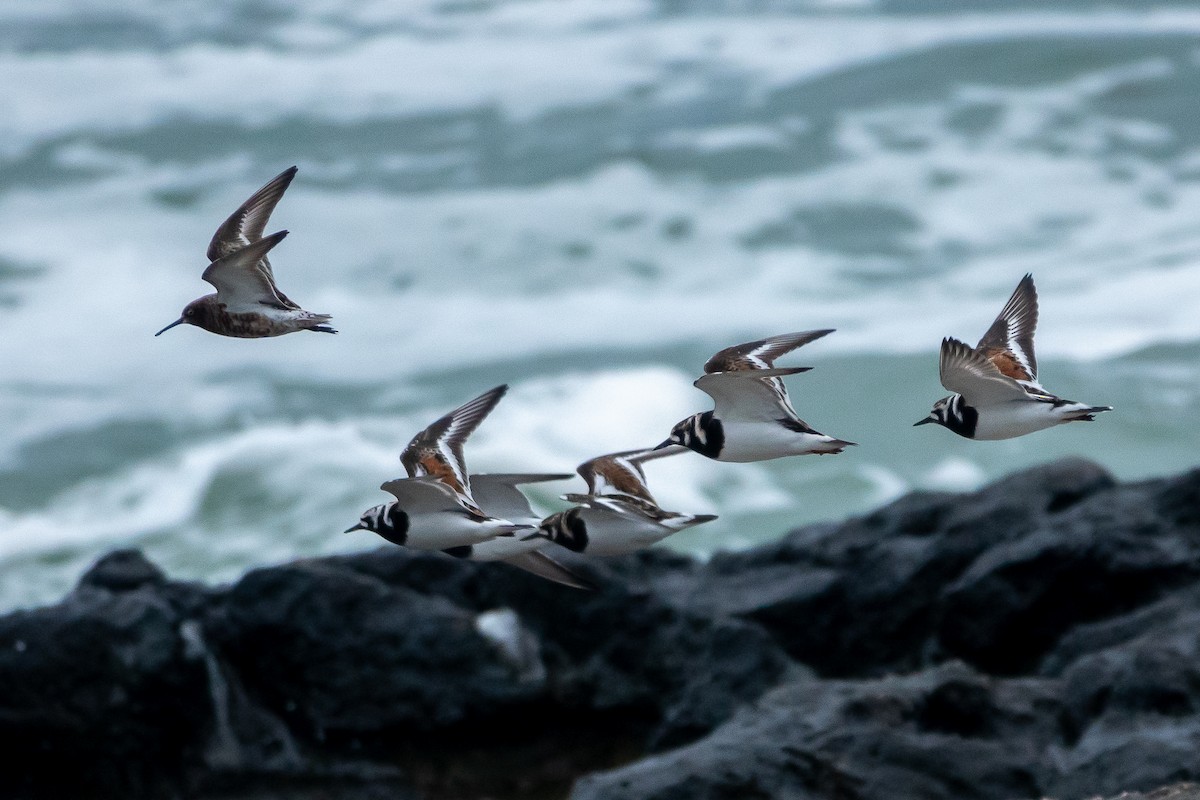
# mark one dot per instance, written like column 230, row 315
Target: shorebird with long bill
column 247, row 303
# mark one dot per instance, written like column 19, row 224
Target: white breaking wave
column 522, row 69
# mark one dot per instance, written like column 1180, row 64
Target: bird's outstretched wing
column 744, row 395
column 424, row 495
column 542, row 565
column 246, row 225
column 241, row 283
column 761, row 354
column 1008, row 343
column 438, row 450
column 968, row 372
column 498, row 495
column 622, row 472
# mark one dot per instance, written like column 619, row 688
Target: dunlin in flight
column 248, row 304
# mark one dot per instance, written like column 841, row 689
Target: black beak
column 925, row 421
column 661, row 445
column 172, row 325
column 358, row 527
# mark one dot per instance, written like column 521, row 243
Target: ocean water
column 584, row 199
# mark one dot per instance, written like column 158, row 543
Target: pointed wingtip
column 806, row 337
column 491, row 397
column 1026, row 287
column 951, row 345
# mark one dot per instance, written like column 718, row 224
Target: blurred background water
column 585, row 199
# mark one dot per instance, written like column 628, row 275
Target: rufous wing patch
column 624, row 481
column 435, row 466
column 1007, row 363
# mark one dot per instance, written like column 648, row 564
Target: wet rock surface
column 1038, row 638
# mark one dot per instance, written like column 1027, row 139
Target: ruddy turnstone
column 753, row 419
column 609, row 525
column 620, row 474
column 996, row 391
column 434, row 508
column 618, row 515
column 498, row 493
column 248, row 304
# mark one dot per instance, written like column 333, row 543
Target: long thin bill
column 172, row 325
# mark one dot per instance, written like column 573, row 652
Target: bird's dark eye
column 191, row 312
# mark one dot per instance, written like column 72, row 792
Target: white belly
column 762, row 441
column 444, row 530
column 1009, row 420
column 609, row 535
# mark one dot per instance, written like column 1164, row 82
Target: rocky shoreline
column 1038, row 638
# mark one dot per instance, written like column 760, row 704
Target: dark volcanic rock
column 1039, row 637
column 624, row 648
column 1090, row 562
column 1180, row 791
column 338, row 653
column 994, row 578
column 945, row 734
column 97, row 691
column 121, row 571
column 1131, row 709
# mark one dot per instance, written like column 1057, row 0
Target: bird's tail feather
column 1087, row 414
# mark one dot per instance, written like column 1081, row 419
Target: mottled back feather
column 622, row 472
column 760, row 354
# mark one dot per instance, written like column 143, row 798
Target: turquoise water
column 584, row 200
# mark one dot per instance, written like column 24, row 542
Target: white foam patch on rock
column 516, row 643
